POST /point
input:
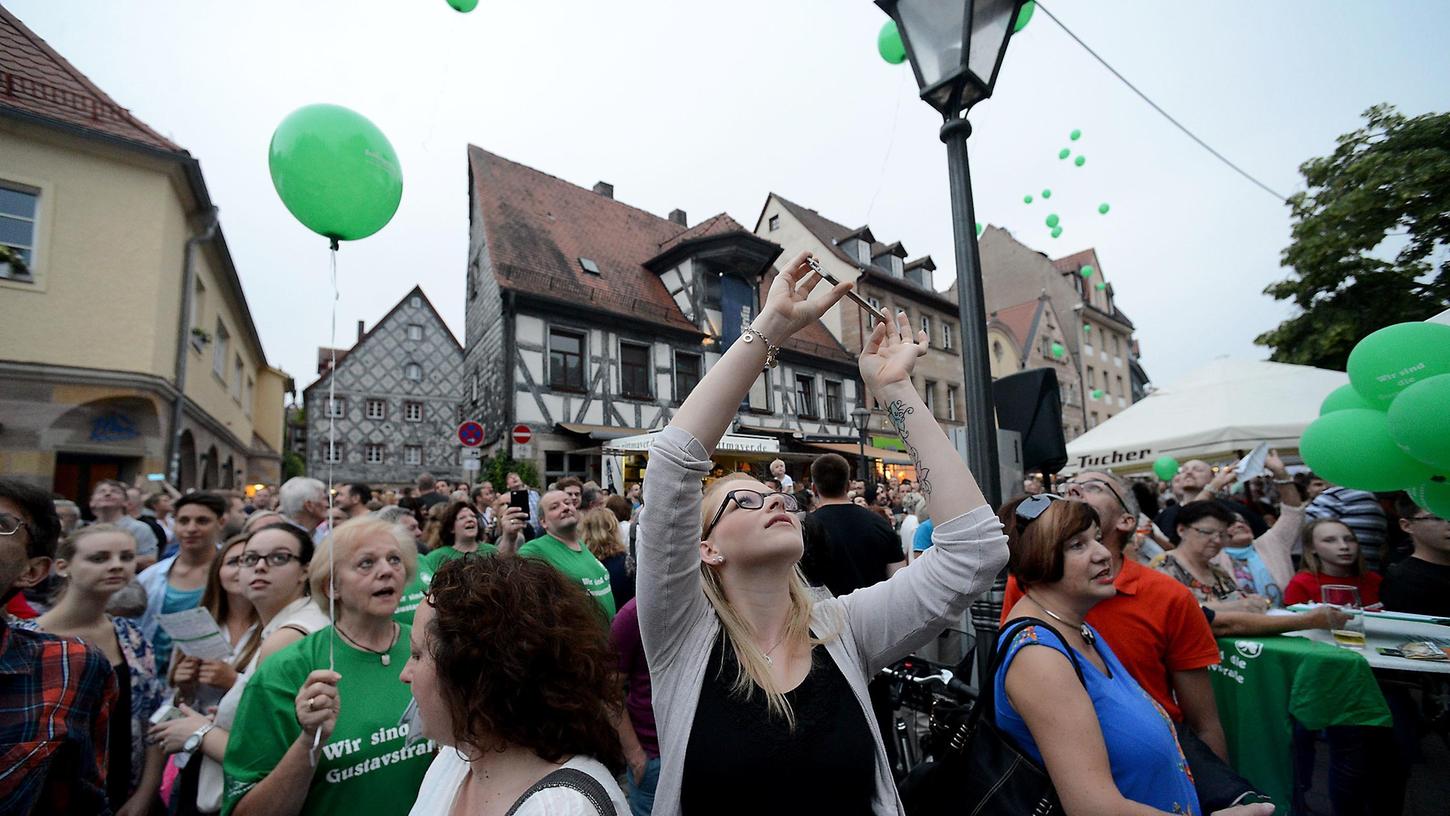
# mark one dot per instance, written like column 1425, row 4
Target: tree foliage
column 1386, row 185
column 496, row 468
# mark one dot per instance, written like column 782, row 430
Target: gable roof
column 1020, row 320
column 36, row 80
column 832, row 234
column 1072, row 264
column 342, row 354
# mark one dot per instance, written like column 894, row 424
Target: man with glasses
column 560, row 546
column 1420, row 583
column 56, row 692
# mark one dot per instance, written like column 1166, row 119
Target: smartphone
column 519, row 499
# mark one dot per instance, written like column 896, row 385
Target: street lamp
column 861, row 421
column 956, row 48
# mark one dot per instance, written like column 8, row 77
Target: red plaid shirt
column 55, row 700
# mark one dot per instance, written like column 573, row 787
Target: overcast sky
column 710, row 106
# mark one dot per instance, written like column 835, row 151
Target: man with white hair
column 304, row 503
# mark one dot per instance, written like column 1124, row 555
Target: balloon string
column 331, row 455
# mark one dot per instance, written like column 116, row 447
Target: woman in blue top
column 1106, row 745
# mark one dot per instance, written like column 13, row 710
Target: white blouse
column 449, row 771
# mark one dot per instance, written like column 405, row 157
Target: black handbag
column 981, row 770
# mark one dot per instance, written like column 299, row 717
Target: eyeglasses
column 1032, row 507
column 1209, row 533
column 747, row 499
column 1100, row 486
column 10, row 524
column 280, row 558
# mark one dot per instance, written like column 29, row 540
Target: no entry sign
column 522, row 434
column 470, row 434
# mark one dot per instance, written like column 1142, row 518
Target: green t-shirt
column 582, row 566
column 364, row 767
column 427, row 565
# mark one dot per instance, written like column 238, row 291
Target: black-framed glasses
column 280, row 558
column 1098, row 486
column 747, row 499
column 1210, row 534
column 1032, row 507
column 9, row 524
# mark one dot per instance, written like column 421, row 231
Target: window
column 634, row 374
column 415, row 301
column 332, row 452
column 337, row 407
column 198, row 308
column 875, row 303
column 947, row 330
column 687, row 374
column 237, row 378
column 1092, row 378
column 1094, row 423
column 473, row 382
column 1121, row 392
column 566, row 359
column 415, row 331
column 413, row 371
column 413, row 411
column 221, row 344
column 413, row 454
column 588, row 265
column 1087, row 349
column 373, row 453
column 377, row 409
column 930, row 390
column 926, row 327
column 17, row 229
column 774, row 223
column 835, row 404
column 952, row 402
column 247, row 398
column 760, row 393
column 805, row 395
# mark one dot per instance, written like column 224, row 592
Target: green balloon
column 1433, row 496
column 1086, row 271
column 1341, row 398
column 1046, row 193
column 1100, row 286
column 1080, row 161
column 1419, row 421
column 1023, row 16
column 979, row 227
column 1056, row 231
column 1165, row 468
column 1353, row 447
column 1087, row 328
column 1103, row 208
column 1052, row 220
column 888, row 44
column 1396, row 357
column 1058, row 350
column 463, row 6
column 1064, row 153
column 1097, row 393
column 336, row 172
column 1075, row 135
column 1027, row 199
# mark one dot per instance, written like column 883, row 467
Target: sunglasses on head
column 1032, row 507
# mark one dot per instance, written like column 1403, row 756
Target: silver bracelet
column 1283, row 481
column 772, row 351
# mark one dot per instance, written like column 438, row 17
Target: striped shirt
column 1360, row 511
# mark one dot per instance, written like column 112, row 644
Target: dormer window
column 890, row 263
column 858, row 249
column 588, row 265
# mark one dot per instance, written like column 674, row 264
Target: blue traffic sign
column 470, row 434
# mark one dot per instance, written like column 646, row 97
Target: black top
column 858, row 547
column 118, row 757
column 1415, row 585
column 742, row 759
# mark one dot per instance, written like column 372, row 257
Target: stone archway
column 229, row 474
column 187, row 476
column 209, row 466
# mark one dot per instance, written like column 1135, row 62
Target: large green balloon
column 1341, row 398
column 889, row 45
column 1433, row 496
column 1103, row 208
column 1419, row 421
column 1165, row 468
column 1052, row 220
column 1023, row 16
column 1396, row 357
column 1058, row 351
column 335, row 171
column 464, row 6
column 1087, row 271
column 1353, row 447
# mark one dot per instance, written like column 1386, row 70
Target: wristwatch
column 193, row 742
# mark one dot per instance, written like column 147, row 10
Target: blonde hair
column 66, row 551
column 1312, row 563
column 341, row 543
column 754, row 667
column 599, row 530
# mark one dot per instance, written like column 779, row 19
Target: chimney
column 359, row 331
column 604, row 188
column 678, row 216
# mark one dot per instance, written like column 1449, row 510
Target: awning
column 600, row 432
column 890, row 457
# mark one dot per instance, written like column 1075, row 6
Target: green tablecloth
column 1264, row 684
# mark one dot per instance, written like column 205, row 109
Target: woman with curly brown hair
column 528, row 711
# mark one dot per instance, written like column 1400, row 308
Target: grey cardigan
column 878, row 625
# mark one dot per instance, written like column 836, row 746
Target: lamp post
column 861, row 420
column 956, row 48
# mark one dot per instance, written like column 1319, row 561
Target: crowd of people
column 560, row 649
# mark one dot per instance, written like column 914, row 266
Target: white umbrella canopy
column 1227, row 406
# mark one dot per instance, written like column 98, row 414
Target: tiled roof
column 1019, row 319
column 36, row 80
column 832, row 233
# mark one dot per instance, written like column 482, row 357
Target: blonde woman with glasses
column 754, row 677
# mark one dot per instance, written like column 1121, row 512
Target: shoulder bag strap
column 987, row 699
column 576, row 780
